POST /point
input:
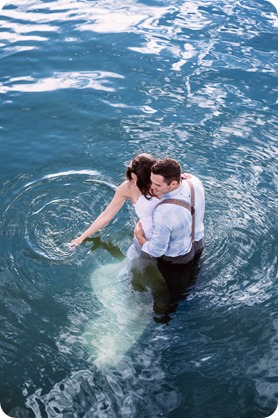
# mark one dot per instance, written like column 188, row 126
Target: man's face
column 159, row 186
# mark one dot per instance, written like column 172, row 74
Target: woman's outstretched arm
column 105, row 217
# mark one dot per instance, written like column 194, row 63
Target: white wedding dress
column 124, row 313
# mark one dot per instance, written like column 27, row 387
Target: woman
column 136, row 188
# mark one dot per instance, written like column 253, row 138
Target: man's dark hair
column 167, row 168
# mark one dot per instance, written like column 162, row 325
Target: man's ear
column 174, row 184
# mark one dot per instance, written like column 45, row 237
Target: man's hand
column 139, row 233
column 185, row 176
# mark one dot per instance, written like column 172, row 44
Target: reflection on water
column 96, row 80
column 86, row 86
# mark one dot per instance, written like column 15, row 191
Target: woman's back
column 144, row 209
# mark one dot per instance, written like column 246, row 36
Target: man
column 178, row 230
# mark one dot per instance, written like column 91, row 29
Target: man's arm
column 159, row 241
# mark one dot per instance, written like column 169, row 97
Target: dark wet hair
column 141, row 166
column 169, row 169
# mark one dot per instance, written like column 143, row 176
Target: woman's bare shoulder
column 125, row 188
column 129, row 190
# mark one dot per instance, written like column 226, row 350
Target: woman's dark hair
column 141, row 166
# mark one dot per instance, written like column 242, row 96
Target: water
column 85, row 86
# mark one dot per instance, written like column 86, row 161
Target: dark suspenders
column 186, row 205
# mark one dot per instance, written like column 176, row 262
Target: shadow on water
column 109, row 246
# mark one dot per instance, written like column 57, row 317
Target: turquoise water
column 85, row 86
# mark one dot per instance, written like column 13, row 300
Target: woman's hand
column 105, row 217
column 75, row 242
column 185, row 176
column 139, row 233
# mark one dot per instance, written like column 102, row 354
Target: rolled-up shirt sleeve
column 159, row 241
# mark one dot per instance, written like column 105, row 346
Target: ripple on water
column 240, row 254
column 47, row 212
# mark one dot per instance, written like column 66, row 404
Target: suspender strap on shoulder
column 186, row 205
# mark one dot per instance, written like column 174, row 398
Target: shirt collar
column 174, row 193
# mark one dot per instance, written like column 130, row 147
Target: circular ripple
column 47, row 213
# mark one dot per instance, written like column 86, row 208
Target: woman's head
column 141, row 166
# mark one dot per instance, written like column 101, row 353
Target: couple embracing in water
column 170, row 206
